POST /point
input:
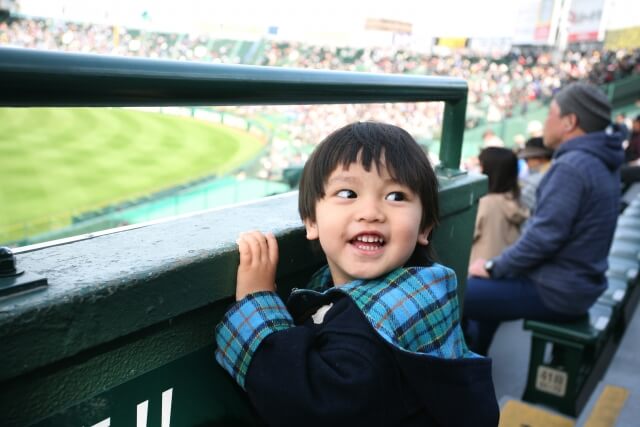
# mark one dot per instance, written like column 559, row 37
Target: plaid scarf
column 414, row 308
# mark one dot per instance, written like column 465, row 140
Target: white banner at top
column 537, row 22
column 585, row 17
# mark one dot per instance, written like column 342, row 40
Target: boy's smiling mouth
column 368, row 241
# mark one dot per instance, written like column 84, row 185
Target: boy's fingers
column 264, row 247
column 273, row 248
column 245, row 250
column 255, row 245
column 258, row 246
column 249, row 246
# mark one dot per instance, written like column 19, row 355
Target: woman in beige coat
column 500, row 213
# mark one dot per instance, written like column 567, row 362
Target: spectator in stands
column 500, row 213
column 630, row 172
column 490, row 139
column 495, row 88
column 621, row 126
column 632, row 153
column 538, row 158
column 355, row 348
column 556, row 270
column 534, row 129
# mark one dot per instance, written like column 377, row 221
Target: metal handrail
column 33, row 78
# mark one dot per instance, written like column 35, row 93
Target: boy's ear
column 423, row 237
column 312, row 229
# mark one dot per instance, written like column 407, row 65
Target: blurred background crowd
column 499, row 87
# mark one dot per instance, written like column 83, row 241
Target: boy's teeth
column 370, row 239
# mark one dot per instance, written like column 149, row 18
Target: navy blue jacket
column 387, row 352
column 352, row 377
column 565, row 246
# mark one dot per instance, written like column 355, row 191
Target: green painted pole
column 452, row 134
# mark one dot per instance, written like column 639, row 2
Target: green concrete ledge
column 126, row 303
column 123, row 304
column 105, row 287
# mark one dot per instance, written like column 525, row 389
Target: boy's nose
column 370, row 211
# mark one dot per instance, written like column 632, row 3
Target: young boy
column 375, row 338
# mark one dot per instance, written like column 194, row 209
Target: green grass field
column 59, row 162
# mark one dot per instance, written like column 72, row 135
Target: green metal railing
column 623, row 92
column 123, row 332
column 30, row 78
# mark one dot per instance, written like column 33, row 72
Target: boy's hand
column 258, row 261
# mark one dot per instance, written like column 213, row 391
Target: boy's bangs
column 383, row 153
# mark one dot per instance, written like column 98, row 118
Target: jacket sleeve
column 307, row 375
column 558, row 206
column 244, row 326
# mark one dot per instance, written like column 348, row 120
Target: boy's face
column 367, row 223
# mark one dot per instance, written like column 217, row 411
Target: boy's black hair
column 370, row 143
column 501, row 166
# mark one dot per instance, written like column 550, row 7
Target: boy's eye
column 346, row 194
column 396, row 196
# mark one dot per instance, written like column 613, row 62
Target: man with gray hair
column 556, row 270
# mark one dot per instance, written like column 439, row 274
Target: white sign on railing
column 142, row 412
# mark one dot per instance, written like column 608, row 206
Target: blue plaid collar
column 414, row 308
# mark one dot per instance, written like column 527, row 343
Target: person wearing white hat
column 538, row 160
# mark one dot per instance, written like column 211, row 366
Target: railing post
column 452, row 135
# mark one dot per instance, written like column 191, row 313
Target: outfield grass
column 58, row 162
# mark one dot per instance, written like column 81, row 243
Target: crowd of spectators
column 498, row 89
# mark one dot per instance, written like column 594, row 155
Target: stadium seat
column 568, row 359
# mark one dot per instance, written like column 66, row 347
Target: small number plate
column 552, row 381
